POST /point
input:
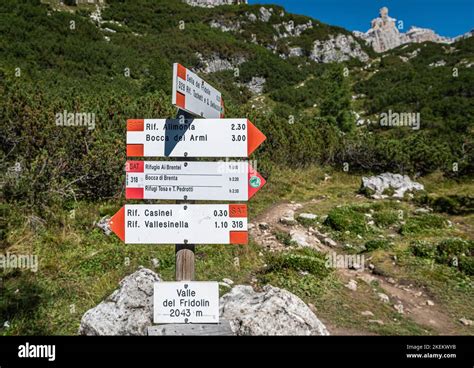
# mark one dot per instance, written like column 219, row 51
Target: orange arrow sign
column 192, row 138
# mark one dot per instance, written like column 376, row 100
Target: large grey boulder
column 273, row 311
column 398, row 183
column 127, row 311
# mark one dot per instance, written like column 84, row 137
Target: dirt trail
column 414, row 300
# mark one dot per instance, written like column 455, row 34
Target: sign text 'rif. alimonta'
column 192, row 138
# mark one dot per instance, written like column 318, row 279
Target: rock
column 378, row 321
column 289, row 29
column 288, row 218
column 390, row 280
column 295, row 52
column 367, row 313
column 214, row 63
column 438, row 64
column 213, row 3
column 127, row 311
column 384, row 35
column 371, row 266
column 155, row 262
column 263, row 226
column 228, row 281
column 273, row 311
column 300, row 238
column 256, row 85
column 352, row 285
column 250, row 226
column 329, row 242
column 307, row 216
column 104, row 225
column 383, row 298
column 225, row 25
column 387, row 181
column 399, row 308
column 225, row 284
column 430, row 303
column 251, row 17
column 337, row 49
column 422, row 210
column 265, row 14
column 466, row 322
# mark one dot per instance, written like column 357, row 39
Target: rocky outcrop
column 215, row 63
column 381, row 185
column 337, row 49
column 127, row 311
column 213, row 3
column 384, row 34
column 289, row 29
column 256, row 85
column 273, row 311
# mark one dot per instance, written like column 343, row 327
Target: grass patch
column 346, row 218
column 423, row 223
column 375, row 244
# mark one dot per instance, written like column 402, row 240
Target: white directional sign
column 195, row 95
column 192, row 138
column 186, row 302
column 193, row 180
column 181, row 224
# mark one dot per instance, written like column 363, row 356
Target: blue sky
column 445, row 17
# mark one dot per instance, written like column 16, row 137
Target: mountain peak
column 384, row 34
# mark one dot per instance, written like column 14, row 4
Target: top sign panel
column 194, row 95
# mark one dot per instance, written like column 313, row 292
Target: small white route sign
column 193, row 180
column 186, row 302
column 195, row 95
column 181, row 224
column 192, row 137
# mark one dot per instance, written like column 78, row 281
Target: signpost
column 194, row 95
column 181, row 224
column 192, row 180
column 186, row 224
column 186, row 302
column 192, row 138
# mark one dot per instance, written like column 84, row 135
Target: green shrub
column 448, row 249
column 302, row 260
column 423, row 249
column 375, row 244
column 284, row 238
column 453, row 252
column 385, row 218
column 466, row 265
column 347, row 219
column 422, row 223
